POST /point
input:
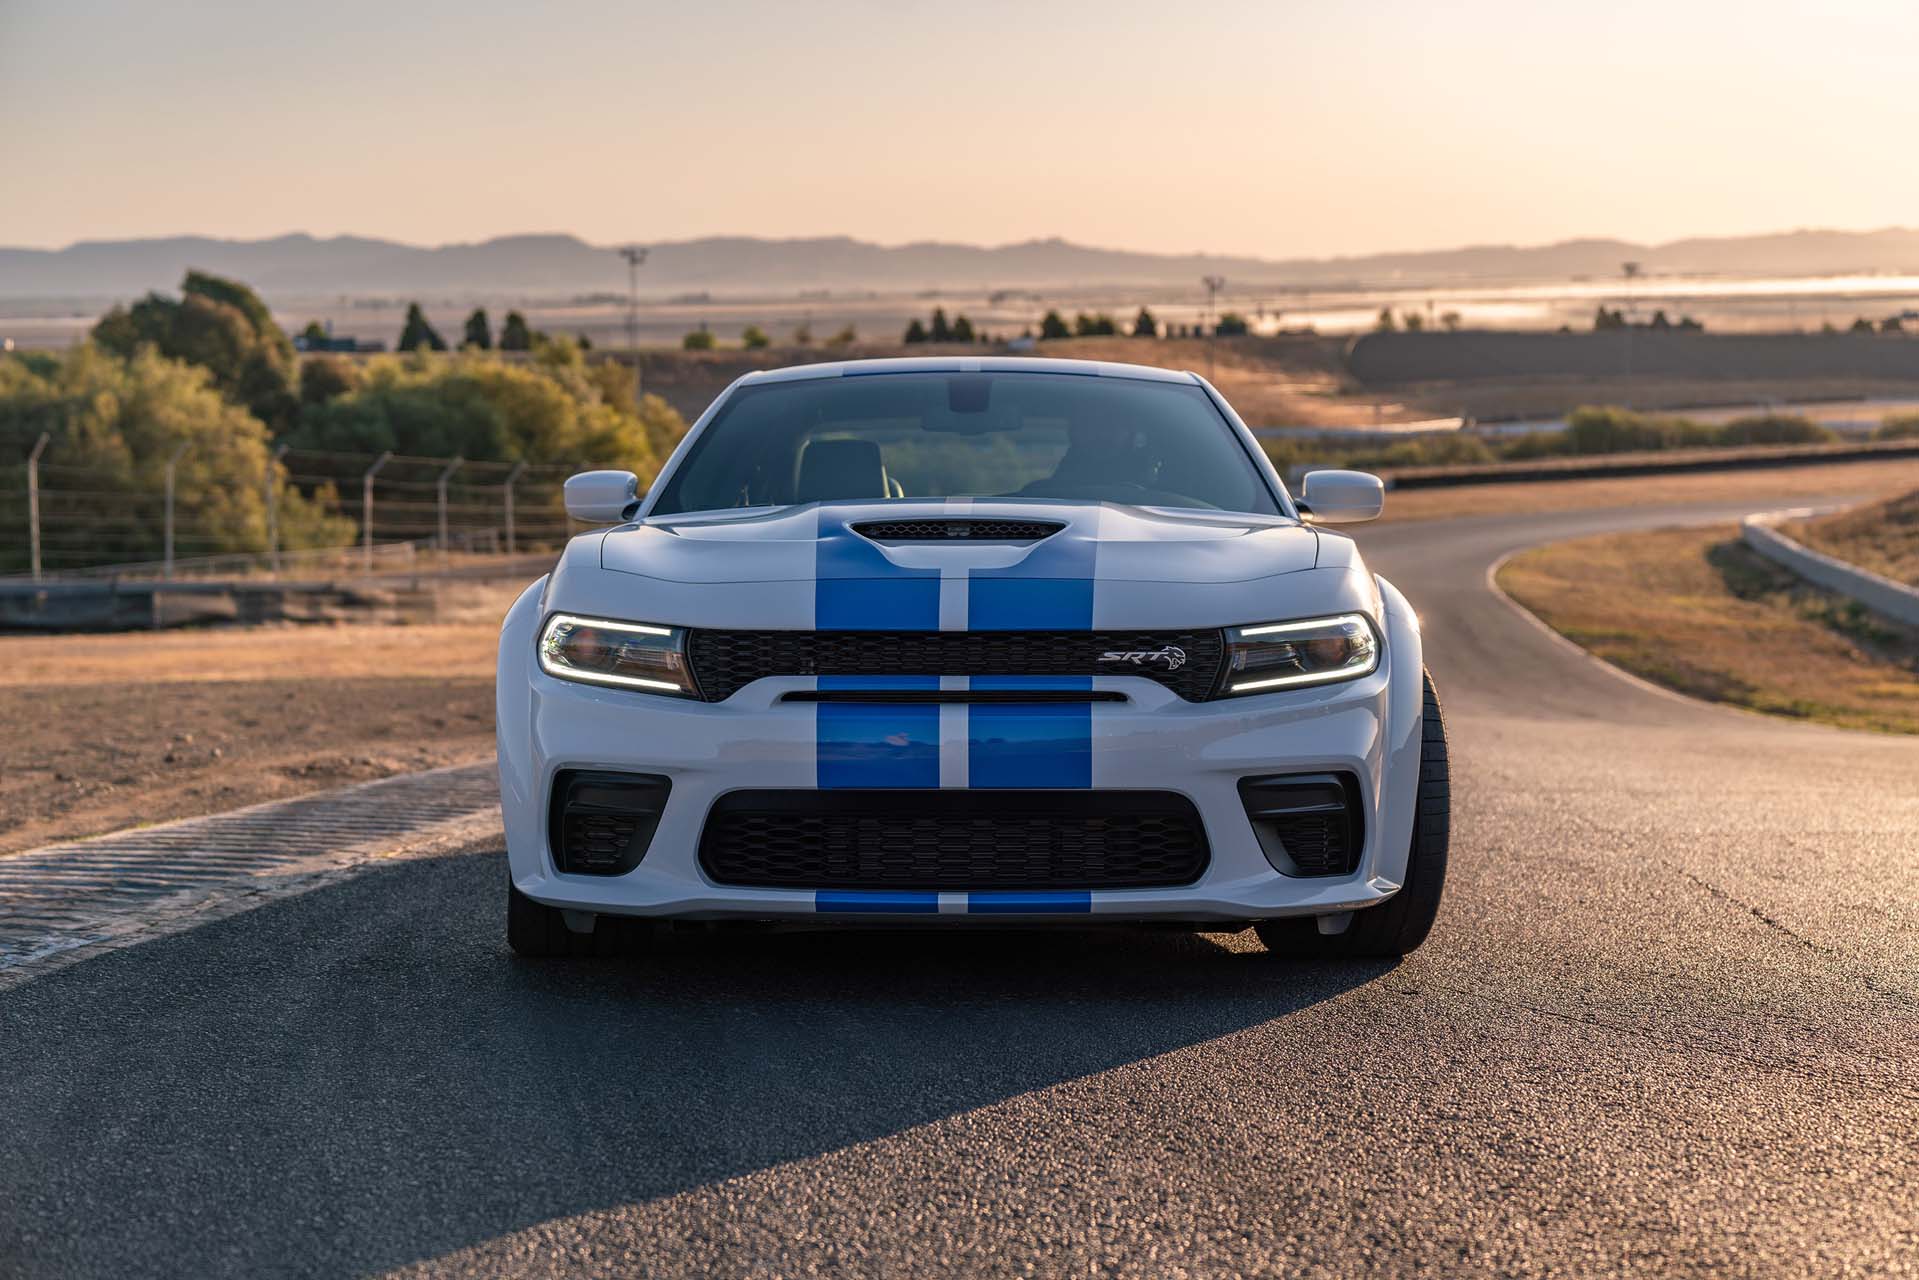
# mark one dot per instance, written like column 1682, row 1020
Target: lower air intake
column 601, row 824
column 1308, row 824
column 986, row 839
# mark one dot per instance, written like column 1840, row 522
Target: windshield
column 968, row 435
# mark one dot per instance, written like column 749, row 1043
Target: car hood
column 1102, row 542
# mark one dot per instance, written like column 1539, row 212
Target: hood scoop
column 959, row 529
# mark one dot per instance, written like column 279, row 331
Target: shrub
column 1776, row 428
column 754, row 338
column 1901, row 427
column 553, row 409
column 698, row 340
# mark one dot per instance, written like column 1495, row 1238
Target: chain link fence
column 316, row 514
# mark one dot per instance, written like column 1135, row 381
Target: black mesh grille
column 951, row 530
column 726, row 661
column 875, row 839
column 1319, row 843
column 602, row 823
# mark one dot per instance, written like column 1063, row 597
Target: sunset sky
column 1274, row 128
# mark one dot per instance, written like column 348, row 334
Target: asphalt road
column 1668, row 1024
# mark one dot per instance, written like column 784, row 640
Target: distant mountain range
column 561, row 265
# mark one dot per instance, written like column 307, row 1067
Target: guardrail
column 1882, row 595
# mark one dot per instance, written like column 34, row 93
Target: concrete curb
column 1882, row 595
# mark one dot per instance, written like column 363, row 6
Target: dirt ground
column 114, row 731
column 1696, row 611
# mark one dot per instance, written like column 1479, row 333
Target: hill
column 557, row 265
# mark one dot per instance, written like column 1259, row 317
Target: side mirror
column 1341, row 497
column 602, row 497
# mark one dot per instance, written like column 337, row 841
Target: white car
column 944, row 642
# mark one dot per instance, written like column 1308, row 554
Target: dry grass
column 1880, row 536
column 1763, row 487
column 1694, row 610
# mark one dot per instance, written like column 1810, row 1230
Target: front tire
column 1397, row 926
column 537, row 931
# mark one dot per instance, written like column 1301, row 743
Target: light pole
column 635, row 258
column 1213, row 285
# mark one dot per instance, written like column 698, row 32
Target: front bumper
column 1153, row 740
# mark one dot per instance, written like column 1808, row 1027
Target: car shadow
column 364, row 1076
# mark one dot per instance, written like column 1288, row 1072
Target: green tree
column 1051, row 326
column 1411, row 321
column 514, row 334
column 962, row 329
column 1233, row 325
column 479, row 333
column 939, row 330
column 222, row 326
column 324, row 377
column 315, row 335
column 418, row 333
column 1385, row 322
column 1144, row 325
column 117, row 421
column 700, row 339
column 754, row 338
column 1449, row 321
column 915, row 331
column 1861, row 325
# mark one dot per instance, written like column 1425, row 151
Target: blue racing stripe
column 1030, row 745
column 856, row 588
column 886, row 901
column 877, row 745
column 1050, row 589
column 1038, row 902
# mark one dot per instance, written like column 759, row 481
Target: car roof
column 969, row 364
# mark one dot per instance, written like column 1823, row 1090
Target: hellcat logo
column 1172, row 657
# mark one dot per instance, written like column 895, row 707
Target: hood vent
column 957, row 530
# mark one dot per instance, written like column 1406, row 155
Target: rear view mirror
column 602, row 497
column 1341, row 497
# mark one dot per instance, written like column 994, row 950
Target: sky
column 1275, row 129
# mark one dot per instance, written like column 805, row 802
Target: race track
column 1668, row 1024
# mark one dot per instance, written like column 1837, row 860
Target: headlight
column 1287, row 655
column 631, row 655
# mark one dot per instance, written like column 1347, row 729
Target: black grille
column 1313, row 820
column 879, row 839
column 726, row 661
column 602, row 823
column 950, row 530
